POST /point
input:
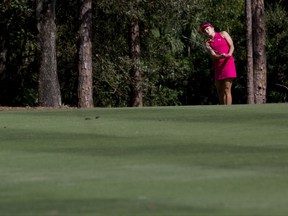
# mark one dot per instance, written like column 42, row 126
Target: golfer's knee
column 227, row 90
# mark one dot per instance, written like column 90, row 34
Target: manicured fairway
column 157, row 161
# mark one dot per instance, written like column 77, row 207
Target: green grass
column 157, row 161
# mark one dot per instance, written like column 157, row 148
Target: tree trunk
column 249, row 46
column 85, row 81
column 259, row 51
column 136, row 97
column 49, row 88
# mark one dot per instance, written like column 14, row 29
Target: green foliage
column 67, row 13
column 112, row 82
column 277, row 53
column 18, row 80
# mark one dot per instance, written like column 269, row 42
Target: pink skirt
column 224, row 68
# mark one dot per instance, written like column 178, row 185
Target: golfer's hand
column 224, row 55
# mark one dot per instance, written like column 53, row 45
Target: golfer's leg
column 227, row 91
column 220, row 90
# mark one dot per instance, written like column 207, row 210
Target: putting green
column 162, row 161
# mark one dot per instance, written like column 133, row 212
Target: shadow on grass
column 101, row 206
column 162, row 150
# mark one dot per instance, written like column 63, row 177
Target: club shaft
column 200, row 44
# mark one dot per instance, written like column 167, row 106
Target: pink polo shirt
column 224, row 68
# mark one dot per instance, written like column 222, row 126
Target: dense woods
column 139, row 55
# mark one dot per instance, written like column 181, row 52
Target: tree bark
column 136, row 77
column 249, row 47
column 259, row 52
column 85, row 80
column 49, row 88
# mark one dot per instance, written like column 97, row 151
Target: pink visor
column 205, row 25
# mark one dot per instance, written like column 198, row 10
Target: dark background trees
column 277, row 51
column 18, row 77
column 174, row 71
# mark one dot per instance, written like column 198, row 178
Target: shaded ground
column 5, row 108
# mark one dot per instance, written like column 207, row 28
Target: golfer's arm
column 212, row 52
column 229, row 41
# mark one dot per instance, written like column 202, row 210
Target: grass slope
column 162, row 161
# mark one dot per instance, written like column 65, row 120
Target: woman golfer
column 221, row 48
